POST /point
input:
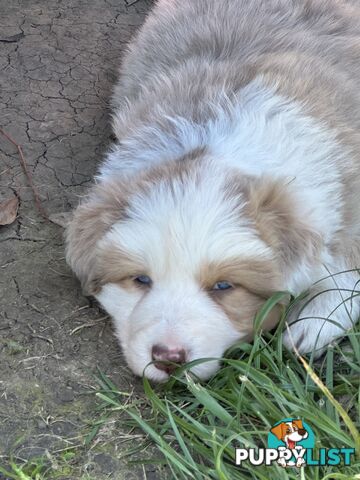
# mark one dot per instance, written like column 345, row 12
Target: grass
column 47, row 467
column 196, row 426
column 193, row 428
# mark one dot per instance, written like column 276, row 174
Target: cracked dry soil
column 58, row 61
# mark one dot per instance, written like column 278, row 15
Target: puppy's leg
column 331, row 308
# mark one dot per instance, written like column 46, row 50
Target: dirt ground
column 58, row 61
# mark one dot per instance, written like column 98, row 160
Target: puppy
column 235, row 174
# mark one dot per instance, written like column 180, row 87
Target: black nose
column 302, row 431
column 162, row 355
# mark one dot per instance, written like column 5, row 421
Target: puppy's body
column 237, row 161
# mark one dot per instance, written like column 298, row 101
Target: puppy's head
column 182, row 256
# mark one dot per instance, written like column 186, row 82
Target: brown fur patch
column 92, row 219
column 241, row 306
column 280, row 222
column 260, row 277
column 277, row 218
column 182, row 170
column 116, row 266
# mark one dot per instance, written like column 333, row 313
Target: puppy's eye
column 222, row 286
column 143, row 280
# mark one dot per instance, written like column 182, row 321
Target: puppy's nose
column 161, row 354
column 301, row 431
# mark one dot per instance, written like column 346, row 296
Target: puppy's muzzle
column 163, row 355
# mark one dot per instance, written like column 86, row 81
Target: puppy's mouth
column 167, row 367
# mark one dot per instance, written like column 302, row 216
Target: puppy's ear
column 280, row 220
column 91, row 220
column 278, row 431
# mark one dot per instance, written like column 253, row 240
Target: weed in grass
column 39, row 468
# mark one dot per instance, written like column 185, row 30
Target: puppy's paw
column 322, row 318
column 312, row 336
column 297, row 336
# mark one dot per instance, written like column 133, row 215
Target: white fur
column 334, row 309
column 259, row 132
column 192, row 222
column 269, row 134
column 174, row 229
column 178, row 315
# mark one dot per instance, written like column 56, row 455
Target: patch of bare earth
column 58, row 61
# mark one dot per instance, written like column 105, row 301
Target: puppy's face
column 183, row 270
column 178, row 284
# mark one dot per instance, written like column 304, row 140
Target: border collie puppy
column 235, row 174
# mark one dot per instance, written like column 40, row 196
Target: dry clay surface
column 58, row 61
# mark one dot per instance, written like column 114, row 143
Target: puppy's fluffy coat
column 235, row 174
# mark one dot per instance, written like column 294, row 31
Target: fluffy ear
column 278, row 431
column 91, row 220
column 280, row 220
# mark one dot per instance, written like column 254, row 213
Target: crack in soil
column 56, row 61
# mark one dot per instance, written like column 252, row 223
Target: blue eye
column 143, row 280
column 222, row 286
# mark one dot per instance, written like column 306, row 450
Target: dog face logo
column 291, row 437
column 290, row 432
